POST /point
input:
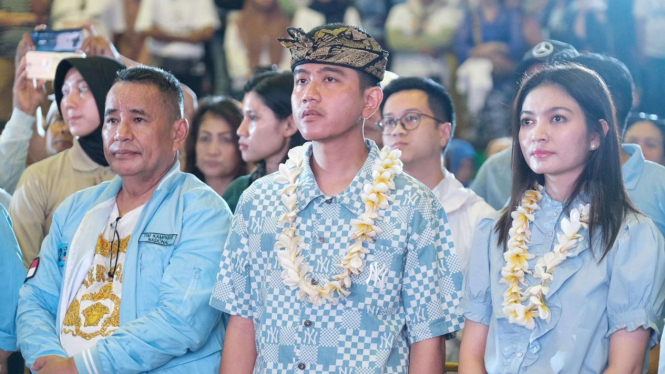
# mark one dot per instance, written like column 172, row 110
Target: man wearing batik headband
column 339, row 261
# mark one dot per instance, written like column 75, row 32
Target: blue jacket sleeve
column 12, row 273
column 183, row 320
column 38, row 299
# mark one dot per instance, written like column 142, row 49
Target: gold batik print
column 97, row 313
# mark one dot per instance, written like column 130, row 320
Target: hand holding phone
column 28, row 93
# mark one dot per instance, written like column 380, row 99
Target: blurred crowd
column 472, row 47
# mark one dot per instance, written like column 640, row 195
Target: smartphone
column 58, row 40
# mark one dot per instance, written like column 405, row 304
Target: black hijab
column 99, row 73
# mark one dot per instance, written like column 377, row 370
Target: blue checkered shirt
column 407, row 293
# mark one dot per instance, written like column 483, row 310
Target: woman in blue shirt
column 569, row 278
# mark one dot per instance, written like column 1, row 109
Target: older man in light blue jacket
column 124, row 276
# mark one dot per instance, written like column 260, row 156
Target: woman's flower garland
column 517, row 257
column 375, row 195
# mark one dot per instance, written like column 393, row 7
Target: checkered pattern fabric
column 407, row 293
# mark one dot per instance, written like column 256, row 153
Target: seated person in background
column 267, row 131
column 647, row 131
column 418, row 33
column 213, row 154
column 177, row 31
column 321, row 12
column 418, row 118
column 492, row 30
column 81, row 85
column 58, row 137
column 123, row 279
column 106, row 16
column 12, row 275
column 250, row 40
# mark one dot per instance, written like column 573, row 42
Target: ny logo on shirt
column 310, row 337
column 377, row 275
column 273, row 335
column 322, row 265
column 256, row 224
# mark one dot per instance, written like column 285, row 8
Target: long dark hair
column 601, row 177
column 226, row 109
column 274, row 88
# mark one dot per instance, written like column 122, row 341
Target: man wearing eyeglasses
column 418, row 118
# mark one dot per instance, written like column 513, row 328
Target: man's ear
column 373, row 97
column 290, row 129
column 180, row 129
column 445, row 130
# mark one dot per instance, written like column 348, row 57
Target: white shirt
column 177, row 17
column 652, row 14
column 108, row 16
column 95, row 311
column 464, row 209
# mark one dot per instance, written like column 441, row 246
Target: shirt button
column 314, row 282
column 301, row 366
column 329, row 201
column 519, row 354
column 307, row 323
column 321, row 240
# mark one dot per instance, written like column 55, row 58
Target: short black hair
column 166, row 82
column 438, row 98
column 367, row 80
column 618, row 79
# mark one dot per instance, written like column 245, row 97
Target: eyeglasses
column 410, row 121
column 111, row 273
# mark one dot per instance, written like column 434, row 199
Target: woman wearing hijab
column 81, row 85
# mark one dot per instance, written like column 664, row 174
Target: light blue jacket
column 12, row 274
column 166, row 324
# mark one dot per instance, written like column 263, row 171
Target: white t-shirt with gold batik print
column 95, row 311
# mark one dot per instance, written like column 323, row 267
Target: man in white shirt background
column 418, row 118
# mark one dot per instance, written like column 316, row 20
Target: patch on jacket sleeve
column 32, row 271
column 156, row 238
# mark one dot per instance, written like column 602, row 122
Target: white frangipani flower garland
column 375, row 195
column 517, row 257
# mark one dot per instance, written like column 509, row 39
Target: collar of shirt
column 80, row 161
column 632, row 169
column 350, row 198
column 452, row 194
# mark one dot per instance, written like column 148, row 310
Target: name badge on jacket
column 157, row 238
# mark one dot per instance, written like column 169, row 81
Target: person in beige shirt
column 81, row 85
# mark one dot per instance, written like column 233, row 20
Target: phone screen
column 58, row 41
